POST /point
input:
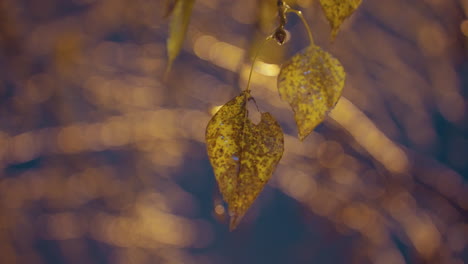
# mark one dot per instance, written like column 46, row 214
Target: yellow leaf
column 337, row 11
column 243, row 154
column 311, row 82
column 177, row 28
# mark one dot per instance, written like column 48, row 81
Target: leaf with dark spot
column 243, row 155
column 337, row 11
column 311, row 82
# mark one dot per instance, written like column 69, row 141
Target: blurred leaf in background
column 180, row 12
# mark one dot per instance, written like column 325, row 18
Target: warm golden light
column 104, row 160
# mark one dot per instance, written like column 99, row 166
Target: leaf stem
column 299, row 14
column 254, row 60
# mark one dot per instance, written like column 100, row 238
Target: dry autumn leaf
column 337, row 11
column 243, row 154
column 311, row 82
column 177, row 28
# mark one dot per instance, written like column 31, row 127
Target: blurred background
column 103, row 161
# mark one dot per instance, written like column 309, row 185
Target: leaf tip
column 333, row 34
column 168, row 70
column 302, row 135
column 234, row 222
column 304, row 129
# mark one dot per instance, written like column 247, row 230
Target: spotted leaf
column 243, row 154
column 337, row 11
column 311, row 82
